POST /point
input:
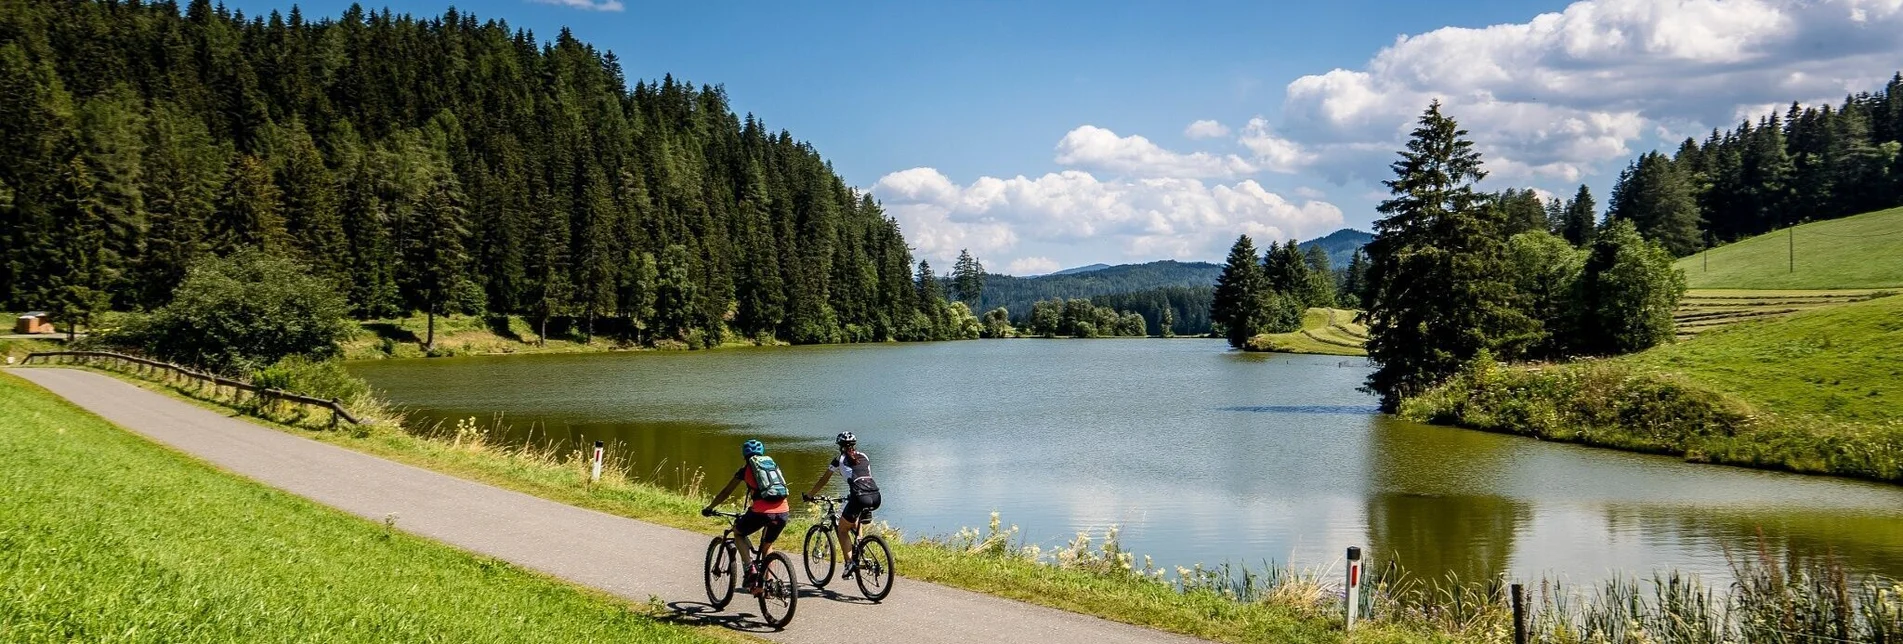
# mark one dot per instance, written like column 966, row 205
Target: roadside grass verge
column 107, row 537
column 18, row 348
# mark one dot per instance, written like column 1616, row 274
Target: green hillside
column 1331, row 332
column 1841, row 361
column 1860, row 252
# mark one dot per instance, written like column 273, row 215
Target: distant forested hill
column 1185, row 287
column 438, row 163
column 1016, row 294
column 1340, row 245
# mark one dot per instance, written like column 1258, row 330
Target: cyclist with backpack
column 767, row 512
column 862, row 493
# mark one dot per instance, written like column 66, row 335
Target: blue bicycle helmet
column 752, row 448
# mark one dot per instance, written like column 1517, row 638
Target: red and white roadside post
column 1354, row 584
column 596, row 476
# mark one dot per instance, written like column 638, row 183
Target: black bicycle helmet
column 846, row 438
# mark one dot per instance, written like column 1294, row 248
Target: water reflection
column 1200, row 454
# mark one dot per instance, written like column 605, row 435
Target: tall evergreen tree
column 1438, row 273
column 310, row 201
column 1658, row 199
column 1354, row 282
column 1235, row 306
column 250, row 214
column 435, row 255
column 111, row 143
column 1582, row 218
column 968, row 278
column 72, row 246
column 184, row 172
column 1320, row 290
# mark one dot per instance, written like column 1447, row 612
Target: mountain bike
column 869, row 563
column 778, row 588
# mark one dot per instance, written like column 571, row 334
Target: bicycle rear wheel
column 818, row 556
column 779, row 590
column 722, row 566
column 875, row 572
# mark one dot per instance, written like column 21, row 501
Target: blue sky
column 1013, row 129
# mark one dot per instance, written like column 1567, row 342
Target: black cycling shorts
column 752, row 522
column 860, row 505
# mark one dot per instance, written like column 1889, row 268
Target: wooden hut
column 33, row 322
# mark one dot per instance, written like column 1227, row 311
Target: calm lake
column 1199, row 453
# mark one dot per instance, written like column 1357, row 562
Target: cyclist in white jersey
column 862, row 493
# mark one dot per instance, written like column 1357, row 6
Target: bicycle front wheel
column 875, row 572
column 818, row 556
column 779, row 590
column 721, row 569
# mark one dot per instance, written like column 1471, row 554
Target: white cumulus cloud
column 585, row 5
column 1094, row 148
column 1274, row 152
column 1144, row 218
column 1206, row 129
column 1032, row 266
column 1568, row 92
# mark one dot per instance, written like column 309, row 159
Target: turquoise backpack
column 771, row 484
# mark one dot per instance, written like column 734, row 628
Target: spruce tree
column 1658, row 199
column 1321, row 279
column 1582, row 218
column 250, row 214
column 312, row 220
column 435, row 255
column 1354, row 282
column 1438, row 273
column 1235, row 306
column 968, row 278
column 74, row 267
column 183, row 174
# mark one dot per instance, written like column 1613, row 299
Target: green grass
column 1815, row 392
column 1849, row 253
column 19, row 348
column 107, row 537
column 1330, row 332
column 1706, row 310
column 1842, row 362
column 479, row 335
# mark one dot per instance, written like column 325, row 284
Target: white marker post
column 1354, row 584
column 596, row 477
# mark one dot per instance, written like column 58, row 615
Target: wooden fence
column 171, row 374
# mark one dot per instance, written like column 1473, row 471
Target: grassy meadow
column 1331, row 332
column 1860, row 252
column 105, row 536
column 1814, row 392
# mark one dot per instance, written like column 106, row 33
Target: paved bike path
column 628, row 558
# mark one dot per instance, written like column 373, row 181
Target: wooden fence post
column 1519, row 614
